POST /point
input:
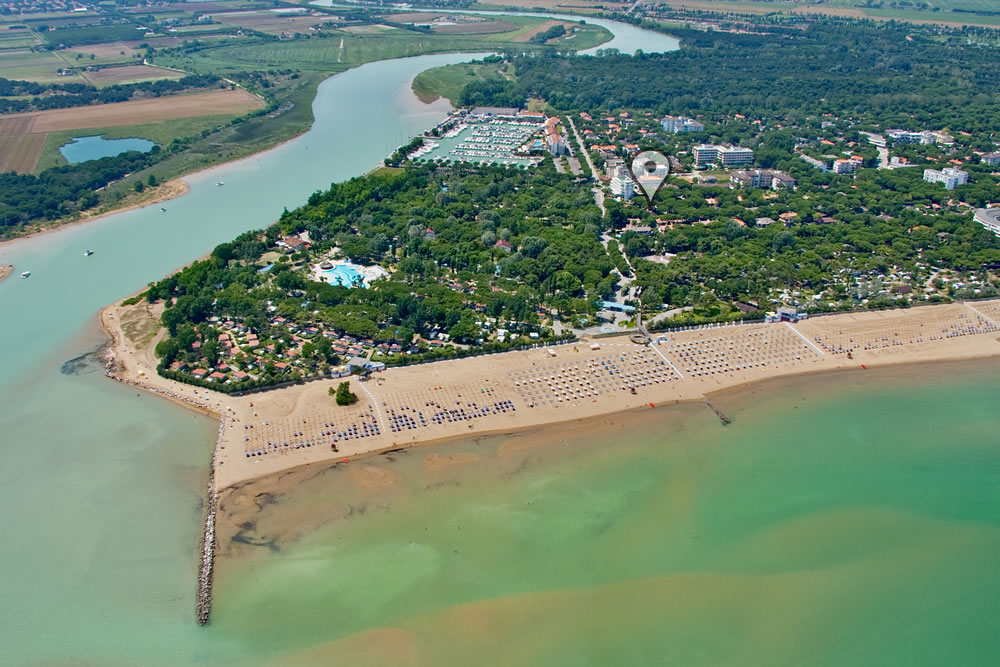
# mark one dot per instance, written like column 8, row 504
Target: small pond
column 81, row 149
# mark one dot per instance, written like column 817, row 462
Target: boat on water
column 88, row 253
column 26, row 274
column 220, row 184
column 163, row 210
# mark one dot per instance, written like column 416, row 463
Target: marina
column 485, row 139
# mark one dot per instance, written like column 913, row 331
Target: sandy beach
column 6, row 270
column 275, row 431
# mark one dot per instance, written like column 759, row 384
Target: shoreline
column 176, row 187
column 402, row 408
column 6, row 270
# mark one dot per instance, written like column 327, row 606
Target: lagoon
column 82, row 149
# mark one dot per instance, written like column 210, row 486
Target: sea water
column 853, row 525
column 843, row 519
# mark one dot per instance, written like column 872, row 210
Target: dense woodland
column 60, row 191
column 66, row 95
column 890, row 73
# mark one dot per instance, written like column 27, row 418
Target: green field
column 211, row 140
column 38, row 66
column 448, row 81
column 16, row 39
column 938, row 17
column 327, row 54
column 162, row 133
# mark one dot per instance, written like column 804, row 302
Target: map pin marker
column 649, row 170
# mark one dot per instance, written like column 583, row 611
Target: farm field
column 111, row 52
column 327, row 56
column 35, row 66
column 19, row 152
column 568, row 6
column 273, row 23
column 109, row 76
column 847, row 8
column 526, row 36
column 456, row 24
column 14, row 39
column 215, row 103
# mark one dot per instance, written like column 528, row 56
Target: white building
column 762, row 178
column 676, row 124
column 728, row 156
column 705, row 154
column 614, row 167
column 989, row 218
column 906, row 137
column 875, row 139
column 843, row 166
column 735, row 155
column 622, row 186
column 950, row 176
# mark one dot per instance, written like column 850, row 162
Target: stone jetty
column 203, row 600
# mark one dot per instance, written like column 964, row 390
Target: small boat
column 220, row 184
column 163, row 210
column 88, row 253
column 26, row 274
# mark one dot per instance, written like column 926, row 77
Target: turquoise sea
column 841, row 519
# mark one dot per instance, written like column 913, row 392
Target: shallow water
column 841, row 519
column 102, row 488
column 856, row 529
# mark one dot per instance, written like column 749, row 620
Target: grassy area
column 35, row 66
column 210, row 140
column 963, row 18
column 17, row 39
column 449, row 80
column 161, row 133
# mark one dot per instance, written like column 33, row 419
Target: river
column 102, row 487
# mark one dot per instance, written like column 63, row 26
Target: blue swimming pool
column 344, row 274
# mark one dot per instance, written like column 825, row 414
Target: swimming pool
column 344, row 274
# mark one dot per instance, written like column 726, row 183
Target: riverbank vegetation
column 281, row 57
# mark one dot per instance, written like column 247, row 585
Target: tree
column 344, row 395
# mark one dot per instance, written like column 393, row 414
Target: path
column 378, row 408
column 341, row 52
column 598, row 192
